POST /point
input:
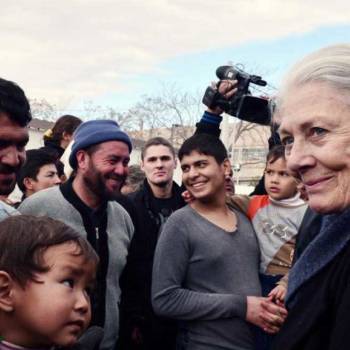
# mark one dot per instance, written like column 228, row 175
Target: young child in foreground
column 46, row 273
column 276, row 218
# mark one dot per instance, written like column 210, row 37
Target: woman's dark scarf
column 332, row 239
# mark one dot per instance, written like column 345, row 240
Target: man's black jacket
column 136, row 308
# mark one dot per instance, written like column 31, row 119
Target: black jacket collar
column 85, row 211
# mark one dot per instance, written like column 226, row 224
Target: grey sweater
column 202, row 276
column 120, row 229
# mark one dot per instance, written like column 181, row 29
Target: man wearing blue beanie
column 100, row 157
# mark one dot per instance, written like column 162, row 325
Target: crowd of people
column 103, row 258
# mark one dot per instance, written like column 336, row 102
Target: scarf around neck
column 331, row 240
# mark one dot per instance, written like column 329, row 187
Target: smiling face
column 55, row 308
column 279, row 182
column 203, row 177
column 315, row 128
column 105, row 170
column 13, row 139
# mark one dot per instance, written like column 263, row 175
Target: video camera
column 242, row 104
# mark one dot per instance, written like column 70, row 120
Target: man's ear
column 66, row 136
column 227, row 167
column 82, row 159
column 6, row 292
column 28, row 183
column 142, row 166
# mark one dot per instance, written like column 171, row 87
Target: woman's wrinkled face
column 315, row 129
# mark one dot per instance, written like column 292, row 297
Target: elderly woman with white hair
column 313, row 110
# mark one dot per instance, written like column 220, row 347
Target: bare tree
column 125, row 120
column 172, row 109
column 42, row 109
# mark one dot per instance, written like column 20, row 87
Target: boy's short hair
column 207, row 144
column 35, row 159
column 24, row 240
column 157, row 141
column 275, row 153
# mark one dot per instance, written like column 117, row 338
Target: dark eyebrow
column 76, row 271
column 200, row 161
column 7, row 141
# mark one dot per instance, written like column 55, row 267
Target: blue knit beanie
column 93, row 132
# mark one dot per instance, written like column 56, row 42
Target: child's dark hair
column 275, row 153
column 24, row 240
column 36, row 159
column 205, row 144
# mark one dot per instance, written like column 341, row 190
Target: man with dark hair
column 14, row 117
column 155, row 201
column 37, row 173
column 100, row 157
column 206, row 263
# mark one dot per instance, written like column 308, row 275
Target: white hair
column 330, row 65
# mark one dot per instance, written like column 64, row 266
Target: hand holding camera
column 232, row 96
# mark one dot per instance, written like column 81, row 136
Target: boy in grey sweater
column 205, row 271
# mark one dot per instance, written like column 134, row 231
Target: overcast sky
column 111, row 52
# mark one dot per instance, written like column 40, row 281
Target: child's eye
column 68, row 282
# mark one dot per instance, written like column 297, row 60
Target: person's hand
column 263, row 313
column 227, row 88
column 187, row 196
column 278, row 294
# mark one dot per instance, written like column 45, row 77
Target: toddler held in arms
column 276, row 218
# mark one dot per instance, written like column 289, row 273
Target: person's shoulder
column 182, row 213
column 44, row 198
column 179, row 225
column 137, row 196
column 238, row 202
column 181, row 218
column 117, row 213
column 118, row 206
column 6, row 211
column 126, row 203
column 256, row 203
